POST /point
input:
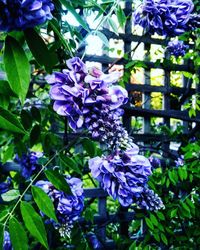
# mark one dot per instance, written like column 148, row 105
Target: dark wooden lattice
column 168, row 112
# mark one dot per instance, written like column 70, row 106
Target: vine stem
column 27, row 188
column 10, row 214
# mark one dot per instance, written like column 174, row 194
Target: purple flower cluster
column 28, row 163
column 68, row 207
column 194, row 22
column 164, row 17
column 89, row 100
column 123, row 175
column 180, row 161
column 177, row 48
column 6, row 242
column 149, row 200
column 23, row 14
column 155, row 161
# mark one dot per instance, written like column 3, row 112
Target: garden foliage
column 61, row 131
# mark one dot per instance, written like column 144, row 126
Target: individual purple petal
column 76, row 65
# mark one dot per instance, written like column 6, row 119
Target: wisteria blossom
column 6, row 241
column 177, row 48
column 164, row 17
column 90, row 101
column 28, row 163
column 5, row 186
column 68, row 206
column 23, row 14
column 122, row 174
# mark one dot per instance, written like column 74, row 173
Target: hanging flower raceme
column 89, row 100
column 177, row 48
column 123, row 174
column 164, row 17
column 28, row 163
column 68, row 206
column 194, row 22
column 149, row 200
column 23, row 14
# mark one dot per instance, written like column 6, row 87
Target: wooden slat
column 161, row 89
column 150, row 65
column 182, row 115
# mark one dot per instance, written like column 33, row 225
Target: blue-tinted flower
column 28, row 163
column 193, row 22
column 155, row 161
column 149, row 200
column 177, row 48
column 6, row 242
column 80, row 95
column 164, row 17
column 123, row 174
column 68, row 206
column 23, row 14
column 180, row 161
column 5, row 186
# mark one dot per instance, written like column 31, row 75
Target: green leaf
column 1, row 235
column 160, row 215
column 89, row 214
column 156, row 236
column 185, row 207
column 78, row 18
column 53, row 24
column 10, row 195
column 90, row 147
column 5, row 89
column 3, row 215
column 161, row 228
column 130, row 64
column 113, row 25
column 180, row 173
column 133, row 246
column 35, row 134
column 43, row 202
column 58, row 181
column 39, row 49
column 121, row 16
column 17, row 68
column 69, row 163
column 164, row 239
column 36, row 114
column 171, row 177
column 10, row 122
column 103, row 38
column 153, row 219
column 33, row 223
column 26, row 119
column 18, row 235
column 8, row 154
column 4, row 101
column 149, row 223
column 174, row 213
column 190, row 203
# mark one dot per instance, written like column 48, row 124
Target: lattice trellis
column 169, row 112
column 144, row 89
